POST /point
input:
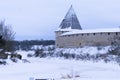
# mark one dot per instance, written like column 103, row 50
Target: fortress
column 70, row 34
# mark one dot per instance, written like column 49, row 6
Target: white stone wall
column 86, row 39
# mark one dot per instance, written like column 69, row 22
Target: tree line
column 28, row 44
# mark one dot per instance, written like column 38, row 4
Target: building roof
column 92, row 31
column 70, row 20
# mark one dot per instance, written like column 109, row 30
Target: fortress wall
column 86, row 39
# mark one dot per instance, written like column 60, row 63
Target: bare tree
column 7, row 35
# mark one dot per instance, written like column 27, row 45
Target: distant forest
column 27, row 44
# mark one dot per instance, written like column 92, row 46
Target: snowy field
column 59, row 69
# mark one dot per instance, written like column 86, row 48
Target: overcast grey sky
column 38, row 19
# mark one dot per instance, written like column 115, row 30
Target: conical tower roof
column 70, row 20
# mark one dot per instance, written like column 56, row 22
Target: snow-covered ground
column 59, row 69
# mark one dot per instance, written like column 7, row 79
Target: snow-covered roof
column 70, row 20
column 73, row 31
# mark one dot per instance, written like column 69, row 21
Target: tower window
column 79, row 44
column 108, row 33
column 116, row 33
column 76, row 34
column 94, row 34
column 68, row 35
column 88, row 34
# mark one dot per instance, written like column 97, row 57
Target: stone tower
column 70, row 22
